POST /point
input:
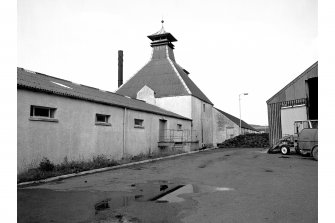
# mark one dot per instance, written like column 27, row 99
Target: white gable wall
column 224, row 128
column 181, row 105
column 146, row 94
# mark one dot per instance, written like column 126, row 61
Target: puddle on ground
column 159, row 192
column 286, row 157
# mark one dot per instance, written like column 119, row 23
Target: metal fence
column 175, row 135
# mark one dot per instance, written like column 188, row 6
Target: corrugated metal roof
column 43, row 83
column 237, row 120
column 293, row 81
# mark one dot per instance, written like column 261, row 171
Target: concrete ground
column 226, row 185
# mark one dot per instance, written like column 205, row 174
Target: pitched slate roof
column 195, row 91
column 43, row 83
column 237, row 120
column 165, row 77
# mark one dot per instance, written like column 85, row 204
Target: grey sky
column 229, row 47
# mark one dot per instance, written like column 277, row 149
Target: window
column 39, row 113
column 138, row 123
column 179, row 126
column 204, row 107
column 101, row 119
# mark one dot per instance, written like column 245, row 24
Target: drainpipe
column 202, row 128
column 124, row 132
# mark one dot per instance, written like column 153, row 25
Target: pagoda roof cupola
column 162, row 38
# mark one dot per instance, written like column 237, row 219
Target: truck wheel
column 285, row 150
column 315, row 153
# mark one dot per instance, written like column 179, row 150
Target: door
column 229, row 132
column 162, row 130
column 289, row 115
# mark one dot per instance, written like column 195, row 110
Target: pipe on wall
column 124, row 132
column 120, row 68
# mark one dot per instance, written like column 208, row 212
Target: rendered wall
column 144, row 140
column 146, row 94
column 76, row 136
column 220, row 125
column 181, row 105
column 202, row 121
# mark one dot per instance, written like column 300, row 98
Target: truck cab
column 306, row 137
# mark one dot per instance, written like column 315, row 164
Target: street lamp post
column 239, row 102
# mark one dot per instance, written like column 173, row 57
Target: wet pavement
column 240, row 185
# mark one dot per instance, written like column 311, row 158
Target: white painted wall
column 190, row 107
column 76, row 136
column 202, row 121
column 146, row 94
column 289, row 115
column 223, row 127
column 181, row 105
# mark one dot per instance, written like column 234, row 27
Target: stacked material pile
column 247, row 141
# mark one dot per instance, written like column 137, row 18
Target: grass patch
column 47, row 169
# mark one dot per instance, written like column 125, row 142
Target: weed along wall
column 80, row 130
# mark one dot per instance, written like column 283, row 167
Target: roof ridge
column 242, row 121
column 176, row 71
column 206, row 99
column 294, row 80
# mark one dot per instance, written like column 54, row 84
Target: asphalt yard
column 223, row 185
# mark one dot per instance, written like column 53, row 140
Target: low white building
column 59, row 119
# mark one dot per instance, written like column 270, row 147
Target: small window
column 179, row 126
column 138, row 123
column 40, row 113
column 101, row 119
column 204, row 107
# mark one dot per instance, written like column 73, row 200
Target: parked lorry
column 304, row 140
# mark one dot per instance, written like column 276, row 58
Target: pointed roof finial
column 162, row 33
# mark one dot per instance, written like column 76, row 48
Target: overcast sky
column 228, row 46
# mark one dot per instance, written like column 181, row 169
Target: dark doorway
column 313, row 98
column 162, row 130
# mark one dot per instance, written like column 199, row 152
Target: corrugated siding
column 296, row 88
column 292, row 94
column 274, row 118
column 274, row 122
